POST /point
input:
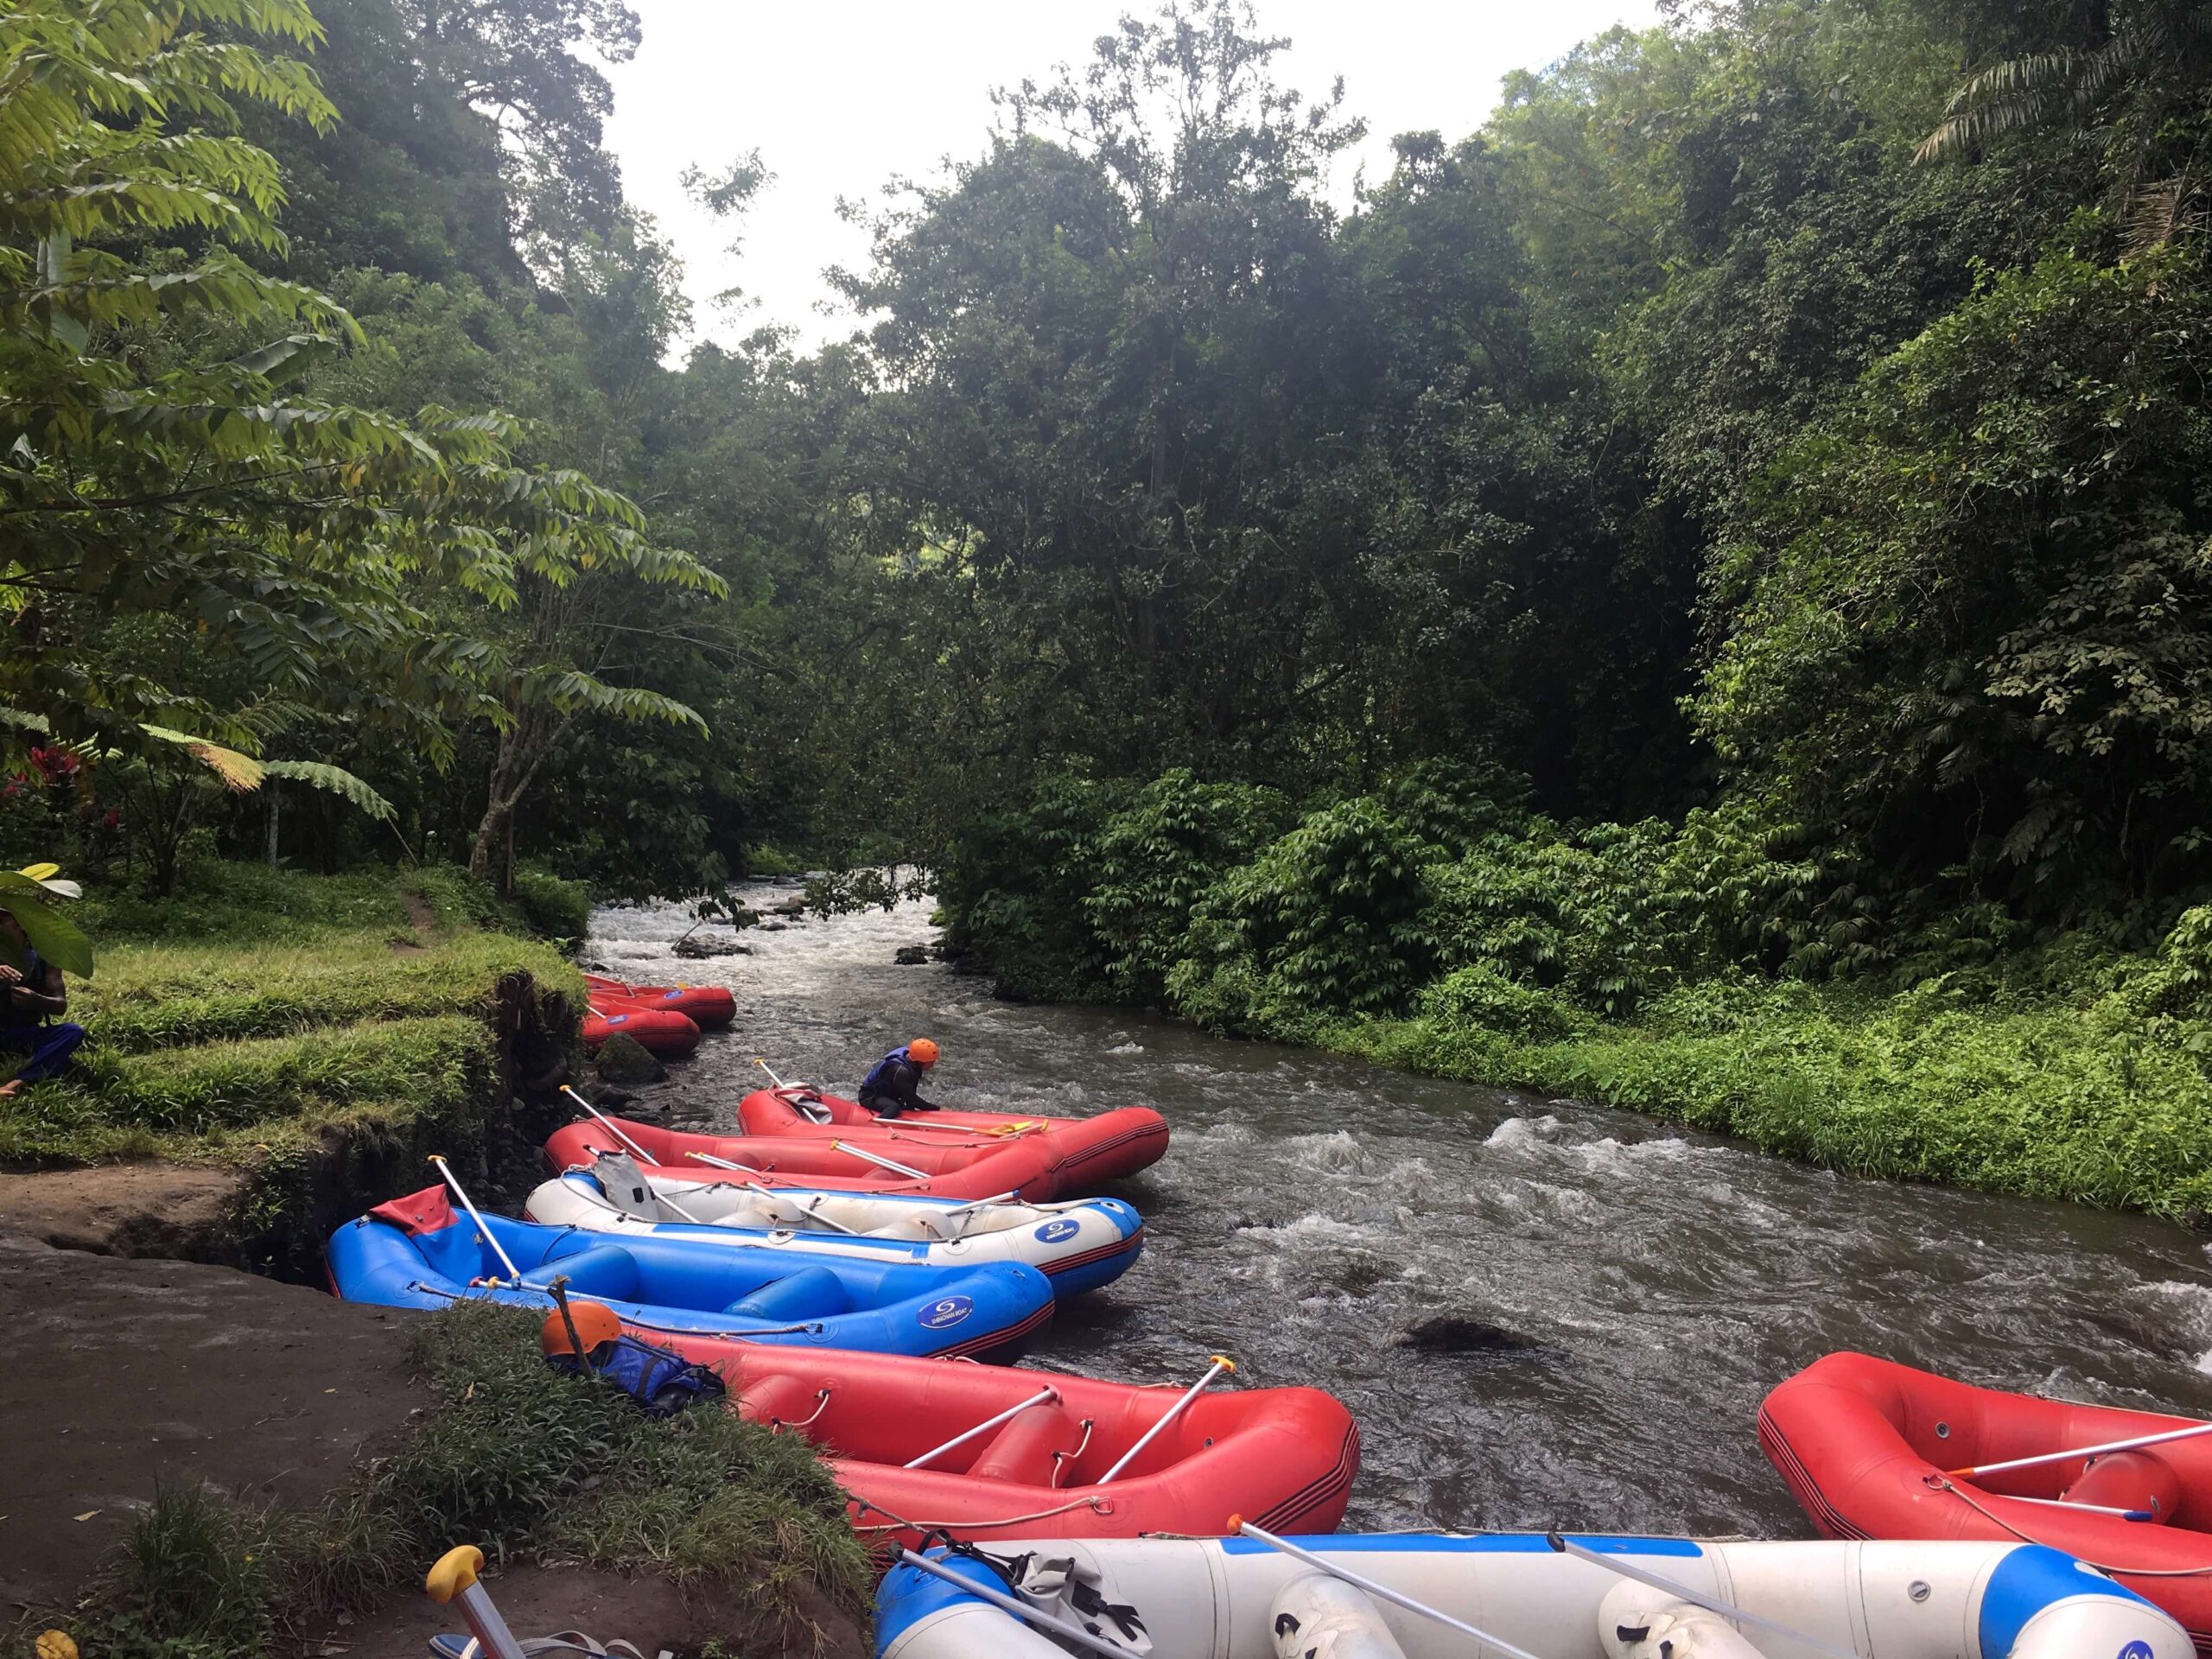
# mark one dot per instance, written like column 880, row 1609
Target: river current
column 1313, row 1214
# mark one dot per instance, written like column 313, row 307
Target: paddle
column 1039, row 1398
column 878, row 1158
column 1022, row 1610
column 1695, row 1598
column 607, row 1122
column 1237, row 1523
column 2139, row 1441
column 1222, row 1363
column 513, row 1272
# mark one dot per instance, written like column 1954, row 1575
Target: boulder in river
column 623, row 1059
column 697, row 948
column 911, row 955
column 1455, row 1333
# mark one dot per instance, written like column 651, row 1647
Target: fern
column 338, row 781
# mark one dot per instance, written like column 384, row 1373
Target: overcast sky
column 840, row 96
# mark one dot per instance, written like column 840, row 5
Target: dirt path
column 120, row 1373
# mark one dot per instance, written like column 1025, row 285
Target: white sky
column 840, row 96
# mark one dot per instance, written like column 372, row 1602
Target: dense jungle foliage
column 1738, row 517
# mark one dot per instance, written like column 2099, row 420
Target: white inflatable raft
column 1238, row 1598
column 1078, row 1245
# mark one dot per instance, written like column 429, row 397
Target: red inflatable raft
column 703, row 1005
column 1285, row 1457
column 945, row 1166
column 1086, row 1150
column 659, row 1031
column 1877, row 1450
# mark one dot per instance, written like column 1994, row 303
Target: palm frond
column 239, row 771
column 338, row 781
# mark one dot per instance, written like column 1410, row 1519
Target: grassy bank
column 526, row 1463
column 2090, row 1098
column 320, row 1035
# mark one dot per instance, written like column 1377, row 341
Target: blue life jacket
column 661, row 1382
column 874, row 1081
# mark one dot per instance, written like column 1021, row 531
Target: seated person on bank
column 34, row 996
column 889, row 1088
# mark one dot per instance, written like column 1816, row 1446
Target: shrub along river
column 1604, row 1299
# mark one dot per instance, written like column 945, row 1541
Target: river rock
column 623, row 1058
column 911, row 955
column 694, row 948
column 793, row 905
column 1455, row 1333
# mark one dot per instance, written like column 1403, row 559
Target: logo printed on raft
column 1054, row 1232
column 946, row 1311
column 2136, row 1650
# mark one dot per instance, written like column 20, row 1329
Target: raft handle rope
column 1062, row 1459
column 777, row 1425
column 899, row 1523
column 1682, row 1592
column 814, row 1329
column 1237, row 1523
column 878, row 1160
column 1941, row 1484
column 475, row 1215
column 1043, row 1397
column 607, row 1123
column 1222, row 1363
column 1020, row 1609
column 2083, row 1451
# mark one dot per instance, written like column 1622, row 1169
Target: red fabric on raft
column 705, row 1005
column 1284, row 1457
column 1102, row 1149
column 658, row 1031
column 429, row 1211
column 1866, row 1445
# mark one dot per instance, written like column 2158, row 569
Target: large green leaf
column 338, row 781
column 53, row 934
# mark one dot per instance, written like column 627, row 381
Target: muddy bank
column 121, row 1374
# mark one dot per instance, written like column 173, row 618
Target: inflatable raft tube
column 1086, row 1150
column 415, row 1252
column 958, row 1168
column 1865, row 1444
column 705, row 1006
column 1228, row 1598
column 658, row 1031
column 1286, row 1454
column 1078, row 1245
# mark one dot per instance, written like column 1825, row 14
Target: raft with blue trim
column 1079, row 1244
column 1872, row 1449
column 416, row 1252
column 1239, row 1598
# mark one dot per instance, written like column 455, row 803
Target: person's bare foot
column 9, row 1090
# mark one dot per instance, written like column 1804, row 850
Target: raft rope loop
column 777, row 1425
column 813, row 1211
column 1237, row 1523
column 879, row 1160
column 1222, row 1363
column 607, row 1123
column 1941, row 1484
column 1682, row 1592
column 2083, row 1452
column 1062, row 1459
column 476, row 1215
column 1020, row 1609
column 724, row 1163
column 1043, row 1397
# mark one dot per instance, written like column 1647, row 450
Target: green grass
column 520, row 1460
column 320, row 1034
column 2087, row 1098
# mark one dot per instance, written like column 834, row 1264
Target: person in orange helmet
column 889, row 1088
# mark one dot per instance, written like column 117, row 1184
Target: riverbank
column 207, row 1462
column 269, row 1052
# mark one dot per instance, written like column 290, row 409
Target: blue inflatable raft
column 418, row 1252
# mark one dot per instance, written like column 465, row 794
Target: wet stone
column 624, row 1059
column 911, row 955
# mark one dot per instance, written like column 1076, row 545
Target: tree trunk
column 492, row 835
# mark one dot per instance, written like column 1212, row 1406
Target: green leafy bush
column 552, row 907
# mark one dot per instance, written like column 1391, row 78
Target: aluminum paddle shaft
column 1221, row 1364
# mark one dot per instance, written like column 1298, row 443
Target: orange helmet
column 922, row 1051
column 596, row 1323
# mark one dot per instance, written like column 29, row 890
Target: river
column 1311, row 1213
